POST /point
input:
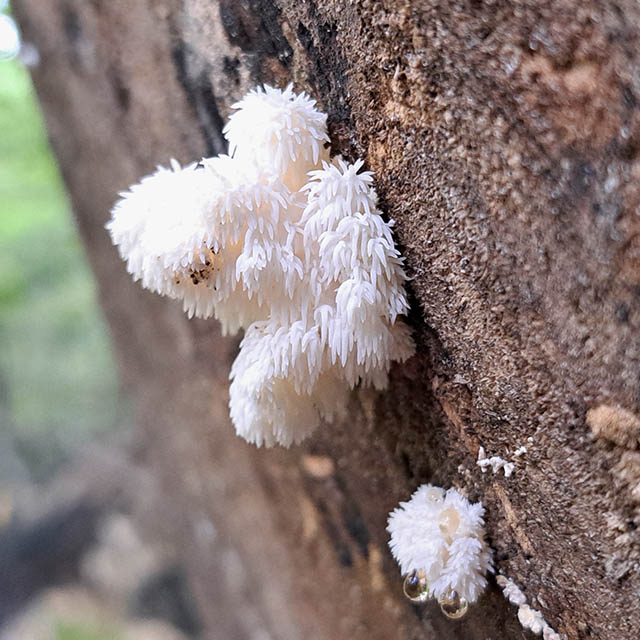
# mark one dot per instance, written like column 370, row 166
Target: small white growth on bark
column 511, row 590
column 495, row 462
column 282, row 241
column 442, row 534
column 530, row 619
column 549, row 634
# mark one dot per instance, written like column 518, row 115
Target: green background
column 58, row 387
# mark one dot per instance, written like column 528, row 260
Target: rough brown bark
column 504, row 136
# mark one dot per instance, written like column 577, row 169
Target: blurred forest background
column 73, row 565
column 58, row 384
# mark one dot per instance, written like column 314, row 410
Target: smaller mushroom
column 439, row 535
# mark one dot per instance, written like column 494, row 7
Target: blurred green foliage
column 58, row 384
column 73, row 631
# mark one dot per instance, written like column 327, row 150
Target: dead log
column 504, row 137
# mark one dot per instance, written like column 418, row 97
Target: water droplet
column 449, row 521
column 434, row 494
column 416, row 587
column 453, row 605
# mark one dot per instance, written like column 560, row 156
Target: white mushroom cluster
column 280, row 240
column 441, row 534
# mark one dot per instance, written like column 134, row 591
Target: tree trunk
column 504, row 137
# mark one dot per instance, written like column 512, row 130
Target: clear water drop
column 415, row 586
column 449, row 521
column 453, row 605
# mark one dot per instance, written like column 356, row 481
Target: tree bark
column 504, row 137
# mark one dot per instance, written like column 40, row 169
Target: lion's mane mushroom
column 441, row 535
column 282, row 241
